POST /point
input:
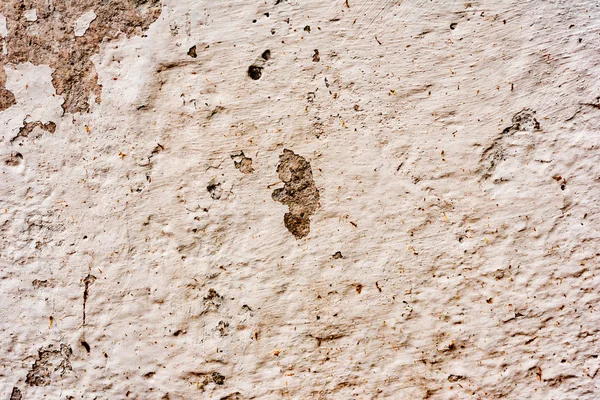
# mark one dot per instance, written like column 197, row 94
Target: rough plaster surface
column 299, row 199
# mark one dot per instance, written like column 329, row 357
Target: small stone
column 83, row 23
column 30, row 15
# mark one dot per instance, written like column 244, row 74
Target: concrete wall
column 299, row 199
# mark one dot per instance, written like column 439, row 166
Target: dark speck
column 453, row 25
column 16, row 394
column 85, row 345
column 266, row 54
column 254, row 72
column 218, row 378
column 316, row 57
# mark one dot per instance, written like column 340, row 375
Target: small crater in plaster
column 86, row 346
column 218, row 378
column 15, row 159
column 316, row 56
column 39, row 283
column 243, row 163
column 49, row 362
column 299, row 192
column 16, row 394
column 215, row 190
column 28, row 127
column 255, row 72
column 524, row 120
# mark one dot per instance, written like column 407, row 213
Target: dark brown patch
column 218, row 378
column 215, row 190
column 201, row 379
column 16, row 394
column 192, row 52
column 14, row 159
column 86, row 346
column 53, row 41
column 213, row 300
column 223, row 328
column 255, row 72
column 524, row 120
column 87, row 281
column 316, row 57
column 455, row 378
column 28, row 127
column 562, row 181
column 48, row 362
column 7, row 99
column 299, row 192
column 39, row 283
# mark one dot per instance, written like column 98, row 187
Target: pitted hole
column 255, row 72
column 86, row 345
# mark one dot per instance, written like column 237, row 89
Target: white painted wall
column 458, row 279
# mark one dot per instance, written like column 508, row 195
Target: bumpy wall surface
column 299, row 199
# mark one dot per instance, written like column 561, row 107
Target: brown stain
column 16, row 394
column 299, row 193
column 28, row 127
column 7, row 99
column 202, row 379
column 242, row 163
column 51, row 41
column 48, row 362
